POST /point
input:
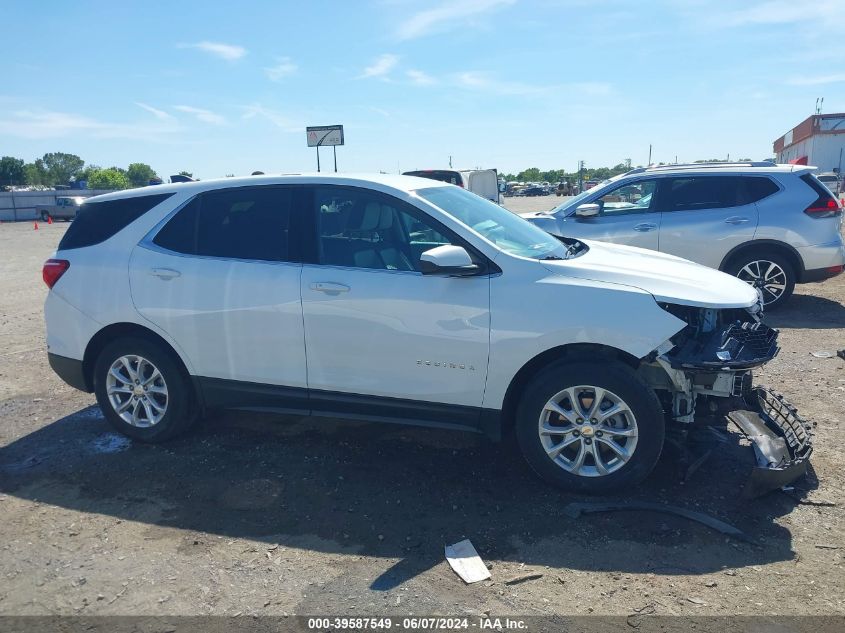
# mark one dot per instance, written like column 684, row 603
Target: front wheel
column 590, row 427
column 771, row 274
column 142, row 391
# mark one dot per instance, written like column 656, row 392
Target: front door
column 379, row 334
column 626, row 216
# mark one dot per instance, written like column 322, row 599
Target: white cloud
column 450, row 14
column 201, row 114
column 284, row 66
column 817, row 80
column 474, row 80
column 43, row 124
column 280, row 120
column 381, row 67
column 161, row 115
column 229, row 52
column 420, row 78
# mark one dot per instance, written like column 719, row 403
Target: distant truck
column 482, row 182
column 64, row 209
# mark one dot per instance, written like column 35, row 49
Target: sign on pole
column 320, row 136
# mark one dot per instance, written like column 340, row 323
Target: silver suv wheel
column 136, row 391
column 588, row 431
column 767, row 276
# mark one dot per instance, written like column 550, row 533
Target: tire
column 640, row 419
column 752, row 268
column 45, row 216
column 164, row 415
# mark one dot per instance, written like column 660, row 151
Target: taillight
column 53, row 270
column 825, row 206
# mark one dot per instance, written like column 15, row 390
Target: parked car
column 832, row 181
column 534, row 190
column 397, row 299
column 770, row 225
column 483, row 182
column 65, row 208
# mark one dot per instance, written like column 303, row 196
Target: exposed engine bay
column 705, row 369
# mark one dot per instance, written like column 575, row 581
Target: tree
column 62, row 167
column 11, row 171
column 140, row 174
column 36, row 174
column 186, row 173
column 530, row 174
column 85, row 173
column 111, row 178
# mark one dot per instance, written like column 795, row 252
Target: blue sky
column 218, row 88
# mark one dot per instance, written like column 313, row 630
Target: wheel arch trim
column 114, row 331
column 790, row 251
column 572, row 351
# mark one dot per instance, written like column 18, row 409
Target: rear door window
column 98, row 221
column 252, row 223
column 702, row 192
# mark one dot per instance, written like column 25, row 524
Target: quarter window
column 758, row 187
column 98, row 221
column 360, row 229
column 247, row 223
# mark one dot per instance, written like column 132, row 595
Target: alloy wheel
column 137, row 391
column 588, row 431
column 766, row 276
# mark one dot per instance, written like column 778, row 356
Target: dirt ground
column 256, row 514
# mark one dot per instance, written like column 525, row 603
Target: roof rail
column 763, row 163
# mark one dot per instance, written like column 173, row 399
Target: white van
column 482, row 182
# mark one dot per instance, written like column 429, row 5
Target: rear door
column 221, row 277
column 703, row 216
column 627, row 216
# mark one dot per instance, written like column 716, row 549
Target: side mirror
column 448, row 260
column 587, row 210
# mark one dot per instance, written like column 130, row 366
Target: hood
column 667, row 278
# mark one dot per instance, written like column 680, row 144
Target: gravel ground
column 265, row 514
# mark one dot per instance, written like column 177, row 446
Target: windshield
column 506, row 230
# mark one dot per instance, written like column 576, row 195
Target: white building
column 818, row 140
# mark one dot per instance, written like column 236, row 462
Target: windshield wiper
column 547, row 258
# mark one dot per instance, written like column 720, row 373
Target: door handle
column 644, row 227
column 165, row 273
column 329, row 287
column 736, row 219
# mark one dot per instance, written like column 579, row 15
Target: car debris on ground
column 466, row 562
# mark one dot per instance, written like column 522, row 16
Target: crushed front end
column 706, row 369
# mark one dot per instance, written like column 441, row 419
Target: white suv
column 398, row 299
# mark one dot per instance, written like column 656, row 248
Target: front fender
column 558, row 310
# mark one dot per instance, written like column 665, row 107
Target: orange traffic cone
column 49, row 219
column 36, row 226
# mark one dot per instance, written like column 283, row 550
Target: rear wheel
column 770, row 273
column 142, row 391
column 590, row 427
column 45, row 216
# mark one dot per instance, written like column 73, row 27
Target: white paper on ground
column 466, row 562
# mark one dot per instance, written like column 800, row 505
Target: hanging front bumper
column 782, row 440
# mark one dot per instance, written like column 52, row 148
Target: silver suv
column 770, row 225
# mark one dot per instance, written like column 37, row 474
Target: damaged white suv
column 402, row 299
